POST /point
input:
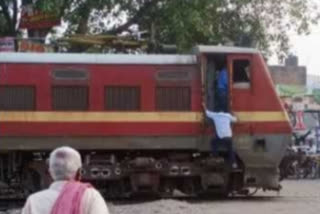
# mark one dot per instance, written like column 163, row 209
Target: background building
column 300, row 95
column 290, row 73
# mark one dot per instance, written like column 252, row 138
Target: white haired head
column 64, row 163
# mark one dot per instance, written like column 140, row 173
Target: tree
column 9, row 11
column 258, row 23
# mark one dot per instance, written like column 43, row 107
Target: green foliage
column 187, row 23
column 258, row 23
column 291, row 90
column 4, row 31
column 263, row 24
column 8, row 17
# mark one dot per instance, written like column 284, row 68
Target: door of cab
column 240, row 87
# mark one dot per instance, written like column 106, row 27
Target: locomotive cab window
column 241, row 73
column 70, row 98
column 17, row 98
column 122, row 98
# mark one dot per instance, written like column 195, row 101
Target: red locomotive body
column 138, row 120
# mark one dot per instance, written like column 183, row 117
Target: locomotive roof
column 68, row 58
column 77, row 58
column 223, row 49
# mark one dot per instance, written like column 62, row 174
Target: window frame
column 70, row 86
column 156, row 102
column 34, row 101
column 138, row 101
column 244, row 85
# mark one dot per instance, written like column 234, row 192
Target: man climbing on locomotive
column 222, row 122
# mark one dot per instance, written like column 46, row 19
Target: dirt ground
column 296, row 197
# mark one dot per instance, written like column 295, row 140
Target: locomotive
column 138, row 121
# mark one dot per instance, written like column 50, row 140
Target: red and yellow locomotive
column 138, row 120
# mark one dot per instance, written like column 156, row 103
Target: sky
column 307, row 48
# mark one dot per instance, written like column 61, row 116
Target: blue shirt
column 223, row 80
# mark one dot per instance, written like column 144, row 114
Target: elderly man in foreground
column 66, row 195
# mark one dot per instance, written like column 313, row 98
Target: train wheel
column 31, row 180
column 190, row 186
column 167, row 188
column 115, row 189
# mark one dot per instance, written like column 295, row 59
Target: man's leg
column 214, row 145
column 231, row 154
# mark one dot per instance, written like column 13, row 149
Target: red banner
column 299, row 126
column 35, row 19
column 30, row 46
